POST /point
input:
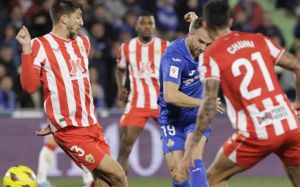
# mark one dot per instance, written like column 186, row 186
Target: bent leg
column 294, row 174
column 113, row 172
column 128, row 136
column 221, row 170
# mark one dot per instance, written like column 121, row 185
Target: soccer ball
column 19, row 176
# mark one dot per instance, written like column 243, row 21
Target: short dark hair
column 145, row 13
column 61, row 7
column 198, row 23
column 216, row 14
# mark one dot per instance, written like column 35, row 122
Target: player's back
column 256, row 105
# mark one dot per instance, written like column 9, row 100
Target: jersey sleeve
column 275, row 50
column 38, row 53
column 172, row 68
column 31, row 66
column 121, row 60
column 208, row 67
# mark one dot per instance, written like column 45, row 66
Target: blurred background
column 108, row 23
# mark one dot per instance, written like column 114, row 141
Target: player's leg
column 289, row 153
column 221, row 170
column 294, row 174
column 198, row 172
column 46, row 157
column 112, row 171
column 87, row 147
column 237, row 154
column 132, row 124
column 173, row 141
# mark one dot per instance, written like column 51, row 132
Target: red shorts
column 246, row 152
column 86, row 145
column 138, row 117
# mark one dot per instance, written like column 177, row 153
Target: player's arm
column 121, row 74
column 29, row 74
column 290, row 62
column 208, row 109
column 173, row 96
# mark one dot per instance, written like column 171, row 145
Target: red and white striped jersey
column 244, row 63
column 142, row 61
column 63, row 70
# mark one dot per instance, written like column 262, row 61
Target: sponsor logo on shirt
column 174, row 72
column 191, row 73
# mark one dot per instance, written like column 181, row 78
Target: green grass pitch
column 163, row 182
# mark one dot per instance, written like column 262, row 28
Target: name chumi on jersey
column 240, row 45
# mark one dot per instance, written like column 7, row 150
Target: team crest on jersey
column 89, row 158
column 170, row 143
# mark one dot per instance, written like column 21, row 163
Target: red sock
column 50, row 146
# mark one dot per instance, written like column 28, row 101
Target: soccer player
column 59, row 60
column 141, row 57
column 265, row 120
column 180, row 97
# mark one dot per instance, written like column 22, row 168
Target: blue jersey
column 178, row 66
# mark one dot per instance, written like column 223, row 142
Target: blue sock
column 181, row 184
column 198, row 174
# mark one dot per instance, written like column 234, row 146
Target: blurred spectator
column 268, row 28
column 41, row 22
column 252, row 9
column 291, row 6
column 240, row 23
column 6, row 59
column 101, row 14
column 297, row 29
column 29, row 8
column 166, row 16
column 97, row 89
column 128, row 25
column 132, row 5
column 16, row 17
column 7, row 95
column 9, row 40
column 2, row 71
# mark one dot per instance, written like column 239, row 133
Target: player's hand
column 220, row 109
column 44, row 131
column 190, row 17
column 123, row 94
column 24, row 38
column 296, row 106
column 188, row 157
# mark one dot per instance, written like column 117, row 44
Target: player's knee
column 211, row 177
column 178, row 175
column 118, row 175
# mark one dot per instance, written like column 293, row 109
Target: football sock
column 45, row 160
column 87, row 178
column 198, row 174
column 181, row 184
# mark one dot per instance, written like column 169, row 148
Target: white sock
column 87, row 178
column 45, row 160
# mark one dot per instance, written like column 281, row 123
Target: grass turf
column 163, row 182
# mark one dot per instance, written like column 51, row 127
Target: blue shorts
column 173, row 137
